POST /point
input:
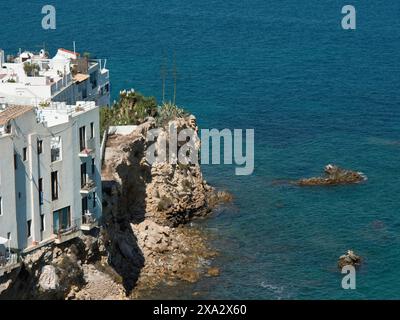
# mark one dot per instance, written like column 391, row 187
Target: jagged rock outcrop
column 60, row 272
column 334, row 175
column 169, row 194
column 48, row 279
column 350, row 258
column 148, row 202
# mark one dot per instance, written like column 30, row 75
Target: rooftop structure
column 36, row 79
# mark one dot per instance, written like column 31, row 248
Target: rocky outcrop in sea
column 334, row 175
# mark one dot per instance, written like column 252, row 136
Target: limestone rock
column 350, row 258
column 49, row 279
column 334, row 175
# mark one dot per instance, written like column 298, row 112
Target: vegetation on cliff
column 132, row 108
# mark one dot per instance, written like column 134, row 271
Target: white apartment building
column 34, row 79
column 50, row 179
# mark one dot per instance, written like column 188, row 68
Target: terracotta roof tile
column 13, row 112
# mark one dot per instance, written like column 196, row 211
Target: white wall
column 19, row 188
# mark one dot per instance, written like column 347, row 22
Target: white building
column 34, row 79
column 50, row 180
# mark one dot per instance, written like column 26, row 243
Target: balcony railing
column 8, row 262
column 89, row 221
column 88, row 187
column 89, row 149
column 67, row 233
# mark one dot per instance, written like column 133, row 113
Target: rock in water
column 350, row 258
column 213, row 272
column 334, row 175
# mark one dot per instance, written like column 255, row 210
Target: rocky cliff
column 144, row 239
column 152, row 202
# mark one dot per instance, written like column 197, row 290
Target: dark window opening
column 82, row 138
column 54, row 185
column 93, row 167
column 91, row 130
column 83, row 175
column 94, row 199
column 40, row 191
column 29, row 225
column 41, row 223
column 84, row 205
column 39, row 146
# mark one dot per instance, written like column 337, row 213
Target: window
column 9, row 235
column 40, row 191
column 24, row 153
column 15, row 161
column 93, row 167
column 84, row 93
column 54, row 185
column 61, row 220
column 82, row 138
column 41, row 222
column 83, row 175
column 55, row 145
column 29, row 225
column 1, row 206
column 40, row 146
column 94, row 199
column 84, row 205
column 93, row 79
column 91, row 130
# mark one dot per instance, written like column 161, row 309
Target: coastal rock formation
column 145, row 239
column 67, row 271
column 49, row 279
column 334, row 175
column 150, row 204
column 350, row 258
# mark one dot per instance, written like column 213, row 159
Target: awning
column 3, row 240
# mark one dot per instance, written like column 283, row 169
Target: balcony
column 8, row 262
column 88, row 187
column 67, row 234
column 89, row 221
column 89, row 149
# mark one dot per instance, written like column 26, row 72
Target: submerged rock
column 213, row 272
column 334, row 175
column 350, row 258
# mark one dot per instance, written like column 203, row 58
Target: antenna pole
column 163, row 75
column 175, row 79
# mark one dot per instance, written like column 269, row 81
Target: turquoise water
column 314, row 94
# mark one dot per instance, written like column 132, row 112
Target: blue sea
column 314, row 93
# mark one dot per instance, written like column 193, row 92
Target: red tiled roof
column 13, row 112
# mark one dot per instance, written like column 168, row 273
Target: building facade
column 50, row 179
column 34, row 79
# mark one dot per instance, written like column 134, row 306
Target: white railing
column 88, row 186
column 88, row 218
column 103, row 146
column 8, row 259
